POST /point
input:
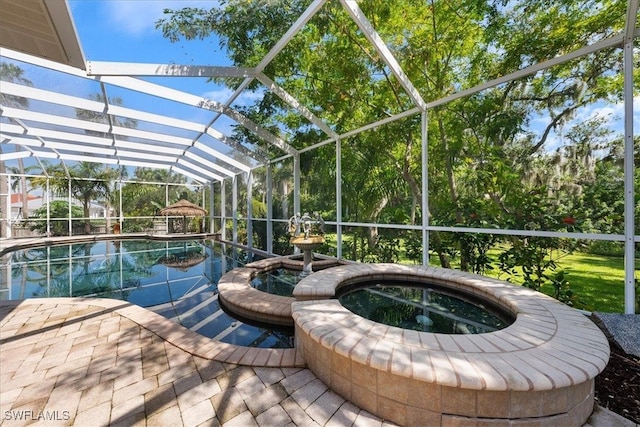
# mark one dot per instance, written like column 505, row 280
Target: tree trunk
column 372, row 238
column 444, row 259
column 453, row 191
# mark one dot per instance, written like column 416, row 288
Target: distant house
column 96, row 210
column 19, row 212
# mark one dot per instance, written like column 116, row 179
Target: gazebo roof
column 183, row 208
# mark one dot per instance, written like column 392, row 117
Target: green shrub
column 606, row 248
column 58, row 209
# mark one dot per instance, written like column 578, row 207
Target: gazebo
column 183, row 208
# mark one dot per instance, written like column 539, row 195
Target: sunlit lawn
column 598, row 281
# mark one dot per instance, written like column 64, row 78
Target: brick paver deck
column 83, row 362
column 94, row 362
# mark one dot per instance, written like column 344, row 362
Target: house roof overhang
column 42, row 28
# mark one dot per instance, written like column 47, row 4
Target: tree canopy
column 487, row 151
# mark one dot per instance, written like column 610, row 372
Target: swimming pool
column 176, row 279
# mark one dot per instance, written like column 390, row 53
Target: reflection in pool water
column 423, row 308
column 176, row 279
column 279, row 281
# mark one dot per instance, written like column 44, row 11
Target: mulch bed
column 618, row 386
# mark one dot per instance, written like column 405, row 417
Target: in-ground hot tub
column 540, row 370
column 238, row 296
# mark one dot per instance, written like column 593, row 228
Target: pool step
column 186, row 296
column 206, row 321
column 197, row 308
column 195, row 291
column 189, row 309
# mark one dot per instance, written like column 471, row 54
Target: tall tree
column 477, row 145
column 86, row 182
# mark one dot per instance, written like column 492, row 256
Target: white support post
column 234, row 208
column 70, row 223
column 212, row 227
column 629, row 202
column 121, row 215
column 250, row 209
column 296, row 183
column 223, row 211
column 425, row 188
column 204, row 203
column 48, row 199
column 8, row 214
column 296, row 190
column 269, row 185
column 339, row 198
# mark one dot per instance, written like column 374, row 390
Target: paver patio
column 82, row 362
column 77, row 363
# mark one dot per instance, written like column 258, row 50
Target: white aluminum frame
column 201, row 162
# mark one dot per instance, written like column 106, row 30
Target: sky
column 124, row 31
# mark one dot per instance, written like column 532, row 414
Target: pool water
column 176, row 279
column 423, row 308
column 277, row 282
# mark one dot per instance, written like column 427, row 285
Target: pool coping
column 10, row 245
column 541, row 368
column 179, row 336
column 237, row 295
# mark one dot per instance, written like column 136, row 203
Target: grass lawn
column 597, row 280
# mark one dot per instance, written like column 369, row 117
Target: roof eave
column 66, row 30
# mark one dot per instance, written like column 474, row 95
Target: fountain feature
column 238, row 295
column 301, row 228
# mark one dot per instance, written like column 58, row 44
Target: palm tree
column 98, row 117
column 98, row 187
column 20, row 182
column 14, row 74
